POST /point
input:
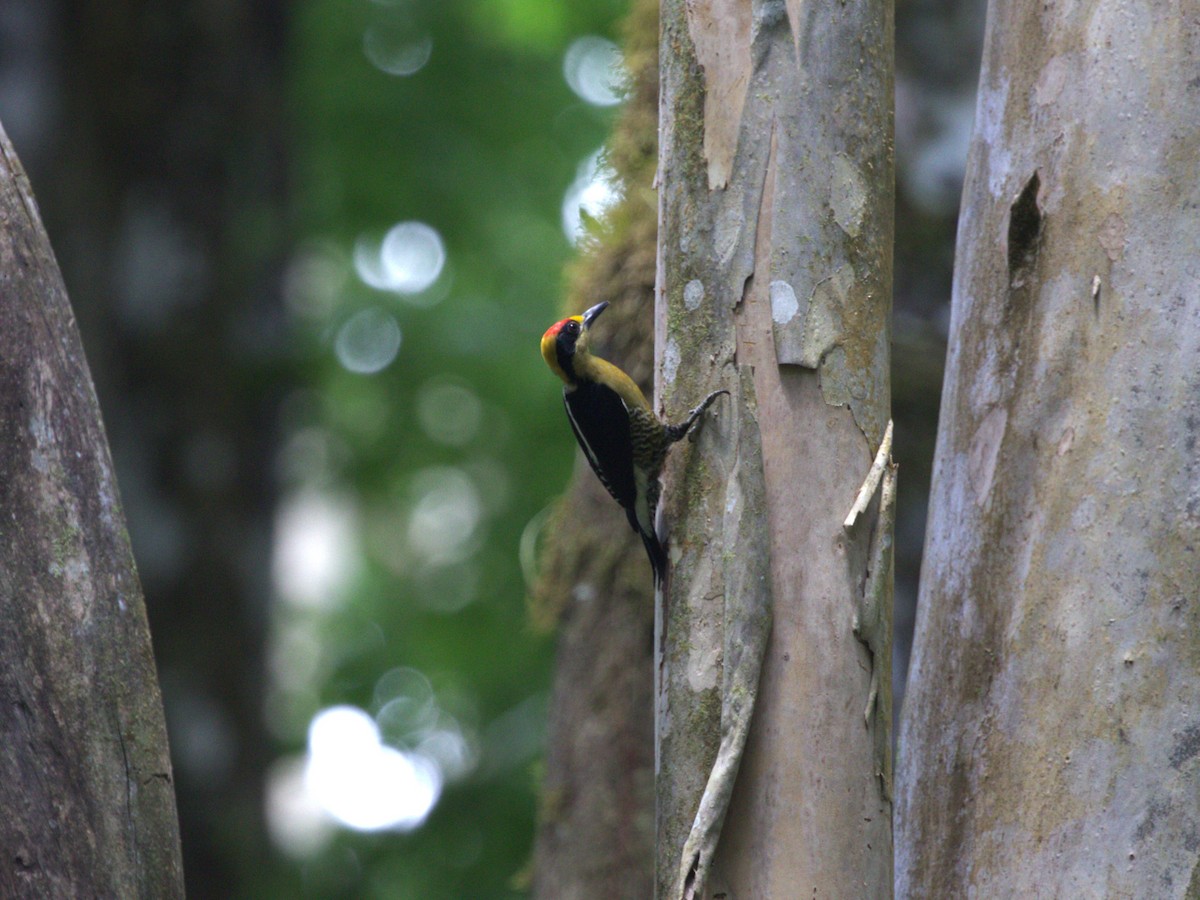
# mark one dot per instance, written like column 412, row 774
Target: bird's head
column 566, row 342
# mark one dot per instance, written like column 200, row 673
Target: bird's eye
column 572, row 327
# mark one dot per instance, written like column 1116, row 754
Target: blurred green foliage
column 480, row 143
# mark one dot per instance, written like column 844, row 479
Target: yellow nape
column 593, row 368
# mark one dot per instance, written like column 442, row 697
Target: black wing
column 601, row 425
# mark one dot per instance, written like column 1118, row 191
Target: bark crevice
column 1024, row 233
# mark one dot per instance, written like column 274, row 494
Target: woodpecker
column 621, row 437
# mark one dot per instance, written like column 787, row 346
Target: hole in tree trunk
column 1024, row 233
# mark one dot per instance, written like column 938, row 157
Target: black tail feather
column 654, row 549
column 658, row 558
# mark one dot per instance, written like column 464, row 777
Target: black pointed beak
column 590, row 316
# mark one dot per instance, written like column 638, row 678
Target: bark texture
column 775, row 219
column 85, row 776
column 1051, row 732
column 595, row 833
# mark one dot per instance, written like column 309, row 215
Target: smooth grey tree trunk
column 775, row 235
column 85, row 777
column 1051, row 733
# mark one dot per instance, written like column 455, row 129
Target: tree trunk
column 85, row 777
column 1051, row 735
column 775, row 188
column 595, row 833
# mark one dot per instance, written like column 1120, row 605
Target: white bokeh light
column 403, row 682
column 592, row 192
column 297, row 823
column 413, row 255
column 314, row 552
column 445, row 516
column 593, row 69
column 362, row 783
column 357, row 775
column 451, row 749
column 409, row 714
column 408, row 260
column 395, row 51
column 368, row 341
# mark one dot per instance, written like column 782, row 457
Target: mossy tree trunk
column 1051, row 732
column 596, row 831
column 775, row 188
column 85, row 776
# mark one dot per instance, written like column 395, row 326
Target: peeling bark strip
column 774, row 280
column 720, row 32
column 85, row 779
column 747, row 622
column 873, row 620
column 1053, row 707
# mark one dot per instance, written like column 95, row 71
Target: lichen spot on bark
column 671, row 360
column 847, row 195
column 784, row 303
